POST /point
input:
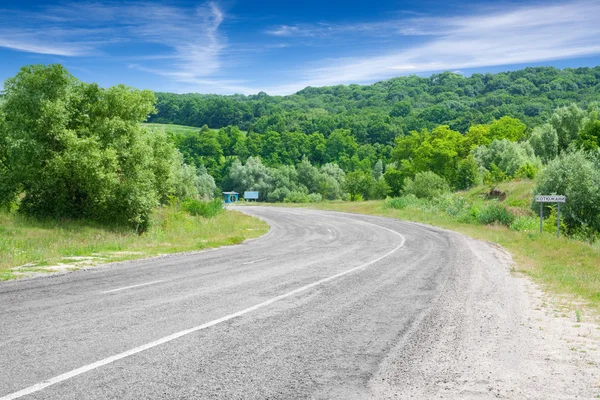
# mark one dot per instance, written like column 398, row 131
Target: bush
column 206, row 209
column 527, row 171
column 576, row 176
column 452, row 205
column 426, row 185
column 278, row 195
column 467, row 173
column 525, row 224
column 296, row 197
column 494, row 212
column 399, row 203
column 315, row 198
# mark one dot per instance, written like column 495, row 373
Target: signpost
column 550, row 199
column 251, row 196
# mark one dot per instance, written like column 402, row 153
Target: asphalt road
column 326, row 305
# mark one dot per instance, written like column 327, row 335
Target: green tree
column 507, row 128
column 356, row 185
column 467, row 174
column 426, row 185
column 401, row 109
column 544, row 141
column 395, row 180
column 81, row 151
column 340, row 144
column 567, row 121
column 576, row 175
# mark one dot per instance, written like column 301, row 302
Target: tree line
column 378, row 113
column 75, row 150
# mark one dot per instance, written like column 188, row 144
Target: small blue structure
column 230, row 197
column 251, row 196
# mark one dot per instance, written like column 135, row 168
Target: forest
column 73, row 149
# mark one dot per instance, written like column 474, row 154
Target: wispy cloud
column 320, row 30
column 491, row 38
column 189, row 39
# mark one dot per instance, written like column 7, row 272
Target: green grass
column 561, row 265
column 29, row 247
column 171, row 128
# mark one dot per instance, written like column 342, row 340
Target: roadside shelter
column 230, row 197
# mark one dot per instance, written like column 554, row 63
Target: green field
column 170, row 128
column 29, row 247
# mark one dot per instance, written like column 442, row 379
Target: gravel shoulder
column 492, row 333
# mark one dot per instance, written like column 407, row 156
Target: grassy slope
column 560, row 265
column 36, row 247
column 171, row 127
column 183, row 129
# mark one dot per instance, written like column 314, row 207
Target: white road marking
column 255, row 261
column 131, row 287
column 86, row 368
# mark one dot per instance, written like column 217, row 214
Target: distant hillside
column 379, row 112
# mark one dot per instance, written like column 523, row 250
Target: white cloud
column 191, row 45
column 498, row 37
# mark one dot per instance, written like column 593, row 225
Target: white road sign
column 551, row 199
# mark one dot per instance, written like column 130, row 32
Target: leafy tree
column 589, row 136
column 332, row 181
column 507, row 128
column 544, row 141
column 378, row 170
column 356, row 185
column 252, row 176
column 395, row 180
column 426, row 185
column 401, row 109
column 576, row 175
column 506, row 155
column 379, row 189
column 77, row 150
column 567, row 121
column 467, row 173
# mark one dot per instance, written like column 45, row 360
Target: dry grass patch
column 29, row 247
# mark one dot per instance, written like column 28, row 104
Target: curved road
column 326, row 305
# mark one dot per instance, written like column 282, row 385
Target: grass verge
column 29, row 247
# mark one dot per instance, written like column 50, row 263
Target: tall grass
column 51, row 245
column 206, row 209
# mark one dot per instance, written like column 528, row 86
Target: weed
column 495, row 212
column 578, row 315
column 206, row 209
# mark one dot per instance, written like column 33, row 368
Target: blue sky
column 283, row 46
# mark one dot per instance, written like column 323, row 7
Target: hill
column 377, row 113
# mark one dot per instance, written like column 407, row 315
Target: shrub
column 467, row 173
column 452, row 205
column 495, row 212
column 206, row 209
column 527, row 171
column 399, row 203
column 315, row 198
column 525, row 224
column 576, row 176
column 426, row 185
column 296, row 197
column 278, row 195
